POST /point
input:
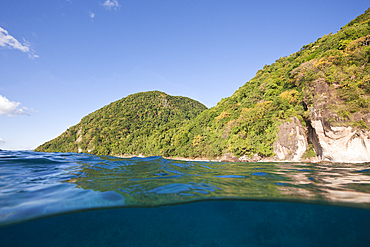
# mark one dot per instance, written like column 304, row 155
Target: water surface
column 36, row 184
column 46, row 200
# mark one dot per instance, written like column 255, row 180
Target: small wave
column 40, row 184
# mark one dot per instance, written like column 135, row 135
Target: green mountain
column 141, row 123
column 249, row 121
column 323, row 88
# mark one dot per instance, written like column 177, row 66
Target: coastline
column 243, row 159
column 234, row 159
column 314, row 160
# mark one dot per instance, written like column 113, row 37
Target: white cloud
column 2, row 141
column 109, row 4
column 91, row 14
column 10, row 108
column 6, row 40
column 9, row 41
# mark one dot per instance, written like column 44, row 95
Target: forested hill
column 328, row 78
column 324, row 85
column 141, row 123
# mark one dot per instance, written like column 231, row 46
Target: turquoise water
column 56, row 199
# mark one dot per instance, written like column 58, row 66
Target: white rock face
column 79, row 139
column 343, row 144
column 292, row 141
column 79, row 134
column 281, row 151
column 301, row 143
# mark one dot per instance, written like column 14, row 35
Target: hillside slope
column 279, row 112
column 141, row 123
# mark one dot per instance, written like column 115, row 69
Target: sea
column 76, row 199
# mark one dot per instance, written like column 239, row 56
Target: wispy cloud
column 2, row 141
column 8, row 41
column 10, row 108
column 91, row 14
column 109, row 4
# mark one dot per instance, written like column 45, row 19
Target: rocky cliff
column 334, row 144
column 337, row 138
column 292, row 141
column 334, row 137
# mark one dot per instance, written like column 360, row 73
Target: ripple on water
column 36, row 184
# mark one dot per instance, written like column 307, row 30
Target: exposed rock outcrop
column 343, row 144
column 79, row 139
column 255, row 158
column 292, row 141
column 332, row 137
column 229, row 157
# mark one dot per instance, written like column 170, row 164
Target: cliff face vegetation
column 301, row 106
column 327, row 81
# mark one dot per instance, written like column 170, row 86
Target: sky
column 63, row 59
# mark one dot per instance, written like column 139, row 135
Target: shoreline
column 314, row 160
column 266, row 160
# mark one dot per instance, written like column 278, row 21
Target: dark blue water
column 53, row 199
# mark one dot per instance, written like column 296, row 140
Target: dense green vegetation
column 247, row 122
column 141, row 123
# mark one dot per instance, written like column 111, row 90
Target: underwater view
column 70, row 199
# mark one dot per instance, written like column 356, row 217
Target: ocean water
column 68, row 199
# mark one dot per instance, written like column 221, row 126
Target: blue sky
column 63, row 59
